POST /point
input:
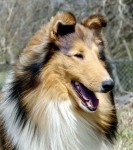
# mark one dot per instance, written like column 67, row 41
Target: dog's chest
column 61, row 129
column 64, row 130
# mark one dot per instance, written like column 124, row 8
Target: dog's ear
column 95, row 22
column 62, row 24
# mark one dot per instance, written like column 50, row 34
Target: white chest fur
column 62, row 130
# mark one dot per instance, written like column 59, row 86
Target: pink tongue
column 88, row 96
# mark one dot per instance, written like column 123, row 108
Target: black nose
column 107, row 85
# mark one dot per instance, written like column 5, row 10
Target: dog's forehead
column 81, row 34
column 85, row 34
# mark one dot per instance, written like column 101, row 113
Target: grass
column 125, row 130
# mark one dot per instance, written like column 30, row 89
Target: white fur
column 63, row 129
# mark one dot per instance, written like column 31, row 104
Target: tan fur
column 36, row 103
column 54, row 80
column 95, row 22
column 58, row 73
column 61, row 69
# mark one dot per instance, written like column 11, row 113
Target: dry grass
column 125, row 131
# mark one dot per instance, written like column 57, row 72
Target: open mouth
column 88, row 98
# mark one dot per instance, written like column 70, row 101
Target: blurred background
column 20, row 19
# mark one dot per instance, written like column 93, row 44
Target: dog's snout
column 107, row 85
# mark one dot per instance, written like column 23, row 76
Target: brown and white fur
column 40, row 109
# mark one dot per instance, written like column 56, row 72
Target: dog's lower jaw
column 81, row 105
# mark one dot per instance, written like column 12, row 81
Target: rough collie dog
column 58, row 95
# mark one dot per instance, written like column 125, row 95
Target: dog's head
column 81, row 53
column 74, row 53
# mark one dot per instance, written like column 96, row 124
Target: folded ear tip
column 66, row 17
column 104, row 24
column 95, row 21
column 72, row 15
column 62, row 23
column 103, row 20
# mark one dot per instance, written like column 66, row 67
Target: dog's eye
column 79, row 56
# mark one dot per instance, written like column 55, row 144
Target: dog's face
column 82, row 56
column 71, row 54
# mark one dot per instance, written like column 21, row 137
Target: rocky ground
column 124, row 105
column 125, row 132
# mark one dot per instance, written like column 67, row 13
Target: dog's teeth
column 90, row 104
column 76, row 83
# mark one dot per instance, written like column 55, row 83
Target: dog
column 59, row 94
